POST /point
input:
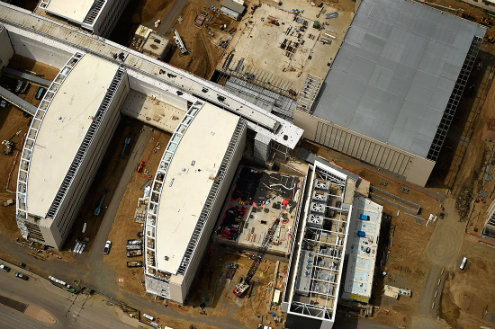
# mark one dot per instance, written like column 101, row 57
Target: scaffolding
column 269, row 100
column 88, row 140
column 212, row 197
column 36, row 123
column 318, row 268
column 454, row 100
column 308, row 94
column 154, row 202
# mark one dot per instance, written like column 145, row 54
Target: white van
column 463, row 263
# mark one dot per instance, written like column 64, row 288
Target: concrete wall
column 165, row 93
column 6, row 50
column 180, row 285
column 41, row 49
column 413, row 168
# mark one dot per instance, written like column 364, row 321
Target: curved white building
column 65, row 144
column 187, row 194
column 97, row 16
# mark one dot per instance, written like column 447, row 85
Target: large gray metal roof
column 393, row 76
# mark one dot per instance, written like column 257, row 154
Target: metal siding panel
column 390, row 158
column 369, row 151
column 403, row 165
column 359, row 149
column 386, row 158
column 394, row 162
column 328, row 133
column 318, row 132
column 376, row 152
column 372, row 154
column 333, row 132
column 338, row 136
column 347, row 141
column 353, row 145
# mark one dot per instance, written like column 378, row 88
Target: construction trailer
column 233, row 8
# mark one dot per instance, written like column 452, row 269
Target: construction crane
column 245, row 283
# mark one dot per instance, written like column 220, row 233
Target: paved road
column 170, row 18
column 101, row 275
column 70, row 311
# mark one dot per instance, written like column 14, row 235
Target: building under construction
column 187, row 194
column 65, row 144
column 337, row 224
column 394, row 86
column 98, row 80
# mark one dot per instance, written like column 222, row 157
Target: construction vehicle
column 245, row 283
column 140, row 166
column 98, row 208
column 8, row 202
column 126, row 143
column 9, row 144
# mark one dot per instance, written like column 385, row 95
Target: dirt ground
column 483, row 135
column 139, row 12
column 204, row 53
column 125, row 227
column 216, row 291
column 470, row 293
column 257, row 43
column 402, row 247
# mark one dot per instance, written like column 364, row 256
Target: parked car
column 134, row 241
column 134, row 247
column 106, row 249
column 463, row 263
column 40, row 93
column 134, row 253
column 21, row 87
column 135, row 264
column 3, row 104
column 5, row 268
column 22, row 276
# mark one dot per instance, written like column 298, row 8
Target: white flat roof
column 63, row 129
column 188, row 181
column 363, row 250
column 73, row 10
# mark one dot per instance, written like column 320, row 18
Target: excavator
column 9, row 144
